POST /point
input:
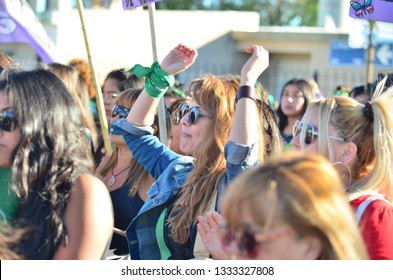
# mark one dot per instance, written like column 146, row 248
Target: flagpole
column 98, row 94
column 370, row 53
column 161, row 105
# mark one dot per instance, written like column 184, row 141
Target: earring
column 349, row 171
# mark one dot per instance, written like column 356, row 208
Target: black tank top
column 125, row 209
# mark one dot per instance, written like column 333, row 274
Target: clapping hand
column 209, row 229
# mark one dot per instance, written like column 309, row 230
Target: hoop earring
column 349, row 171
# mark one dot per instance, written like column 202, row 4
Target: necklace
column 112, row 180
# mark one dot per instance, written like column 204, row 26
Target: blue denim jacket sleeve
column 238, row 158
column 145, row 148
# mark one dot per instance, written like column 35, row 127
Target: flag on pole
column 379, row 10
column 131, row 4
column 18, row 24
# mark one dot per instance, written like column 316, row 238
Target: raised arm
column 178, row 60
column 245, row 124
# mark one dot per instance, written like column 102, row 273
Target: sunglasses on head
column 193, row 113
column 311, row 134
column 8, row 121
column 248, row 241
column 119, row 110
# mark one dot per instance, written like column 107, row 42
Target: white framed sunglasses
column 311, row 134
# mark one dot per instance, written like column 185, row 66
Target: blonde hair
column 305, row 192
column 8, row 238
column 370, row 128
column 217, row 95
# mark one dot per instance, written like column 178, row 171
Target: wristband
column 245, row 92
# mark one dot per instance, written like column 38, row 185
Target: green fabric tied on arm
column 157, row 80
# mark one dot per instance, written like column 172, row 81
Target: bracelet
column 245, row 92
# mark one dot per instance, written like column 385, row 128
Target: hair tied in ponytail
column 368, row 112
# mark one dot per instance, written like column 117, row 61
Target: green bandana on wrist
column 157, row 80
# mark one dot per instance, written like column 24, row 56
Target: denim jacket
column 170, row 170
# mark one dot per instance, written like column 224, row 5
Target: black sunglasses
column 119, row 110
column 8, row 121
column 193, row 113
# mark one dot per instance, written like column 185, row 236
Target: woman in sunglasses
column 9, row 201
column 174, row 98
column 65, row 211
column 357, row 139
column 126, row 179
column 216, row 119
column 291, row 208
column 175, row 114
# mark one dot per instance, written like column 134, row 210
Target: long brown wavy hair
column 217, row 95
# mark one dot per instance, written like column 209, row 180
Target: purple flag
column 18, row 24
column 130, row 4
column 379, row 10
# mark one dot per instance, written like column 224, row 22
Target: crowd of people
column 241, row 176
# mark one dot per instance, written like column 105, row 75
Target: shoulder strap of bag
column 362, row 207
column 164, row 250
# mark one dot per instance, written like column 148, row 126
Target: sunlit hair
column 70, row 77
column 5, row 60
column 217, row 96
column 308, row 95
column 303, row 191
column 136, row 171
column 8, row 238
column 83, row 69
column 50, row 157
column 7, row 64
column 373, row 138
